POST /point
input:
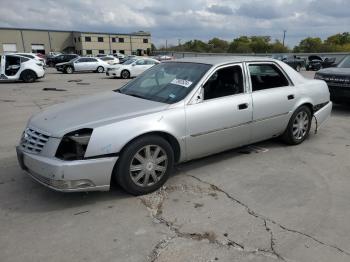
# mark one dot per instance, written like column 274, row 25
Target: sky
column 184, row 19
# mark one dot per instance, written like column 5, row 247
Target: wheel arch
column 27, row 70
column 172, row 140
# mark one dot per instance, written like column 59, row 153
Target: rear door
column 93, row 64
column 274, row 97
column 12, row 66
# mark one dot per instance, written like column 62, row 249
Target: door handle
column 290, row 97
column 242, row 106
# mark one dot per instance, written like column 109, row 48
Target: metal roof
column 140, row 33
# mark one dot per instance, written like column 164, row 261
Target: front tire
column 69, row 70
column 28, row 76
column 298, row 127
column 144, row 165
column 125, row 74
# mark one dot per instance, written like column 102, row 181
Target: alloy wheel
column 300, row 125
column 148, row 165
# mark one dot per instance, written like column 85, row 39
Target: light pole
column 284, row 36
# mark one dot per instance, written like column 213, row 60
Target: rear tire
column 28, row 76
column 298, row 127
column 100, row 69
column 125, row 74
column 144, row 165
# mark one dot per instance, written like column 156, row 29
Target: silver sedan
column 174, row 112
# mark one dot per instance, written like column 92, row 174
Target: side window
column 265, row 76
column 24, row 59
column 224, row 82
column 150, row 62
column 141, row 62
column 92, row 60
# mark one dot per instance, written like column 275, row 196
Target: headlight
column 73, row 145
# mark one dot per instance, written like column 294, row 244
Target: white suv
column 16, row 67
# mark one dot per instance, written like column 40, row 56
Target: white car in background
column 111, row 60
column 14, row 67
column 32, row 56
column 131, row 68
column 83, row 64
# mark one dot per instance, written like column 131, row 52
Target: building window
column 101, row 51
column 113, row 39
column 145, row 41
column 79, row 38
column 89, row 52
column 100, row 39
column 121, row 40
column 87, row 39
column 122, row 51
column 114, row 51
column 75, row 39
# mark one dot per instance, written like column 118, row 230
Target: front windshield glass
column 345, row 63
column 166, row 82
column 129, row 62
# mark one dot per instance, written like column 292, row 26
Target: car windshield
column 345, row 62
column 129, row 62
column 166, row 82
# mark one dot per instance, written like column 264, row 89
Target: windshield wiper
column 134, row 95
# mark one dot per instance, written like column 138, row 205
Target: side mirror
column 200, row 96
column 133, row 64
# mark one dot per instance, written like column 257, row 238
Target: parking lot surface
column 266, row 202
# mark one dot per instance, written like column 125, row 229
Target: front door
column 274, row 97
column 140, row 67
column 221, row 119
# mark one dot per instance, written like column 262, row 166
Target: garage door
column 9, row 48
column 38, row 48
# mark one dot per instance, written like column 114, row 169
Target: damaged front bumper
column 68, row 176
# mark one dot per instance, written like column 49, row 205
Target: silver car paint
column 200, row 127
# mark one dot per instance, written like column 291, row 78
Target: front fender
column 113, row 137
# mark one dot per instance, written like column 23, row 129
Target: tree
column 278, row 47
column 240, row 45
column 217, row 45
column 310, row 45
column 260, row 44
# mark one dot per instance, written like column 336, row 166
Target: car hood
column 92, row 112
column 335, row 71
column 63, row 63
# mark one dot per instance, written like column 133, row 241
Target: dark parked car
column 294, row 61
column 316, row 62
column 338, row 80
column 53, row 60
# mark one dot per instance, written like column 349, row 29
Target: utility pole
column 284, row 36
column 179, row 40
column 166, row 45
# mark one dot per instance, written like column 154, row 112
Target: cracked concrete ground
column 267, row 202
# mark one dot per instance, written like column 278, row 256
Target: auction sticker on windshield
column 181, row 82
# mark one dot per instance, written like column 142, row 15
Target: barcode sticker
column 181, row 82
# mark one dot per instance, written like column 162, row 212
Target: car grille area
column 33, row 141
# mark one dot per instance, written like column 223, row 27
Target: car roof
column 219, row 60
